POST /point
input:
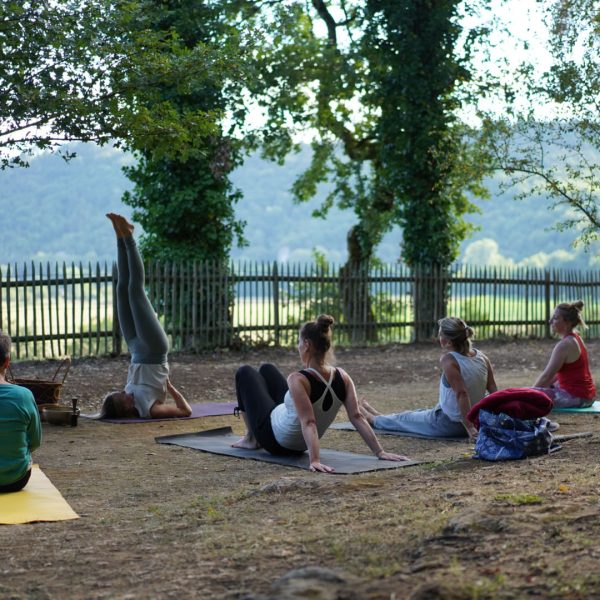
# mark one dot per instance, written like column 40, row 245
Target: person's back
column 20, row 429
column 326, row 398
column 474, row 372
column 20, row 432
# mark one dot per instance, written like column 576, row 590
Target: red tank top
column 575, row 377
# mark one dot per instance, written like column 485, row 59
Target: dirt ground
column 165, row 522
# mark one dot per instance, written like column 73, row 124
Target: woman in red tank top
column 567, row 378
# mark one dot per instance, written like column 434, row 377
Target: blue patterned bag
column 502, row 437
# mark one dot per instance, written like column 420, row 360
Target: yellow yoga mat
column 39, row 500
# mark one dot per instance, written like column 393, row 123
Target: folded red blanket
column 520, row 403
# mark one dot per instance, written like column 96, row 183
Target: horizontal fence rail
column 52, row 311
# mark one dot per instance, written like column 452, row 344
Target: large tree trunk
column 430, row 298
column 354, row 291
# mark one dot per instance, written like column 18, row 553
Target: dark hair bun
column 325, row 321
column 578, row 304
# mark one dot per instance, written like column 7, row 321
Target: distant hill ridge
column 55, row 211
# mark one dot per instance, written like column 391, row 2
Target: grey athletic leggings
column 141, row 328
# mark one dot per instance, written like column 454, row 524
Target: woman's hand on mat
column 383, row 455
column 320, row 467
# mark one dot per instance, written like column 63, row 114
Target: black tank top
column 317, row 387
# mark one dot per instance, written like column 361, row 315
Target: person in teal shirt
column 20, row 429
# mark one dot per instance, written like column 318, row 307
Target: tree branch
column 329, row 21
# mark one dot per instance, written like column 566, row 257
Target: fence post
column 547, row 306
column 116, row 326
column 276, row 303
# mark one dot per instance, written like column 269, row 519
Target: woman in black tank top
column 287, row 417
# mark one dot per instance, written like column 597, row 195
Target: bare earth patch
column 161, row 522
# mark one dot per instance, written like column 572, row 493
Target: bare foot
column 248, row 441
column 123, row 228
column 126, row 226
column 115, row 223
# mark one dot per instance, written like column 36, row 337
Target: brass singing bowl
column 58, row 415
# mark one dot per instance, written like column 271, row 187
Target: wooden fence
column 69, row 309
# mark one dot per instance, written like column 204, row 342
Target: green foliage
column 425, row 152
column 92, row 70
column 312, row 74
column 519, row 499
column 185, row 204
column 186, row 212
column 557, row 157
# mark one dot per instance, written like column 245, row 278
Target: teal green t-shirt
column 20, row 431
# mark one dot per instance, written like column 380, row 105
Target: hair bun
column 469, row 331
column 578, row 304
column 325, row 321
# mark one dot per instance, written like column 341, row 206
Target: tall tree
column 424, row 148
column 377, row 81
column 186, row 204
column 70, row 70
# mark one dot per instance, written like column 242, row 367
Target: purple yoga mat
column 209, row 409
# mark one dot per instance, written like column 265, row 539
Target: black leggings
column 258, row 393
column 16, row 486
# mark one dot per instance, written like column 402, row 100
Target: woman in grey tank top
column 467, row 376
column 286, row 417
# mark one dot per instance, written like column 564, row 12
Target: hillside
column 57, row 213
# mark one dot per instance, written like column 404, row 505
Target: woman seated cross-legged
column 289, row 417
column 567, row 379
column 467, row 376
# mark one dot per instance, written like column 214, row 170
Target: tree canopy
column 76, row 70
column 553, row 152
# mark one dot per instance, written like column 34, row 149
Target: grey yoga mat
column 208, row 409
column 218, row 441
column 349, row 427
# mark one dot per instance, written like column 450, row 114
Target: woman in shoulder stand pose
column 148, row 380
column 467, row 376
column 567, row 379
column 289, row 417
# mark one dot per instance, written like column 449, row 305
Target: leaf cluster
column 85, row 70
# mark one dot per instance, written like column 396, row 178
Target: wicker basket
column 44, row 392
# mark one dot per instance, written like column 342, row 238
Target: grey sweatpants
column 145, row 337
column 431, row 422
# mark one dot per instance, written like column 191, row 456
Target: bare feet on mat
column 248, row 441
